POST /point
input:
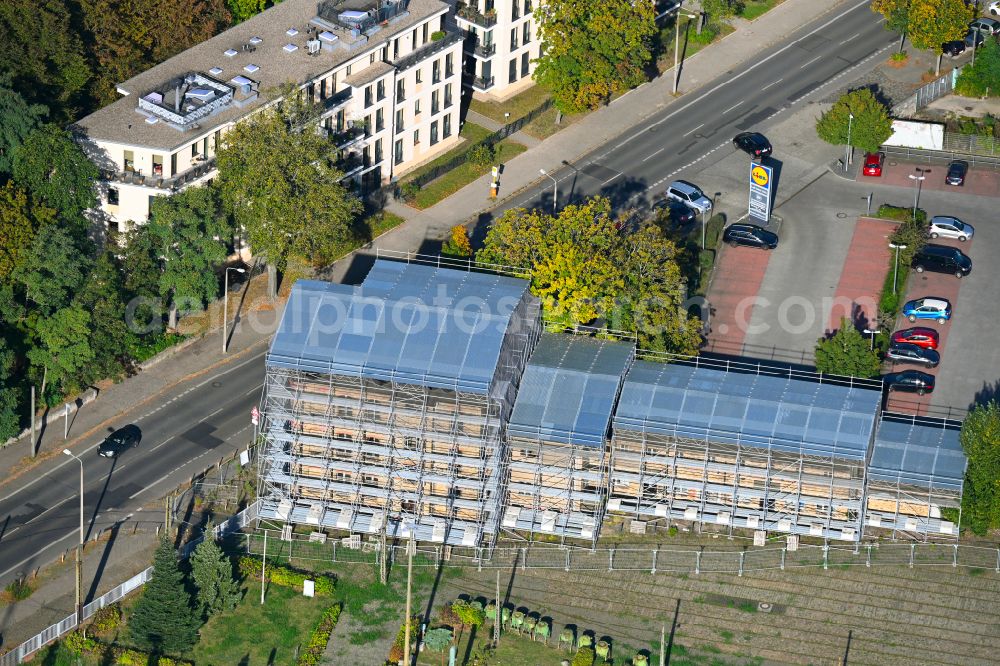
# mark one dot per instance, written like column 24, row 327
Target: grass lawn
column 517, row 106
column 755, row 8
column 255, row 634
column 664, row 41
column 471, row 132
column 544, row 126
column 457, row 178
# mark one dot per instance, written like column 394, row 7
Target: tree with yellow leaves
column 934, row 22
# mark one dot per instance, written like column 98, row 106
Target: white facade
column 389, row 86
column 501, row 45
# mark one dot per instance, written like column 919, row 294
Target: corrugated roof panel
column 921, row 452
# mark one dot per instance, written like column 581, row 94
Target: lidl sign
column 760, row 192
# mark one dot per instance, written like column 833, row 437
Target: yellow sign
column 759, row 175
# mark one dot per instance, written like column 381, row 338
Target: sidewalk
column 423, row 230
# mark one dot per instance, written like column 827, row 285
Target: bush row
column 251, row 567
column 313, row 654
column 79, row 644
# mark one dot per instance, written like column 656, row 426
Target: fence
column 957, row 147
column 652, row 559
column 38, row 641
column 927, row 93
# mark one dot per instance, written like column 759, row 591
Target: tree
column 847, row 352
column 438, row 640
column 9, row 419
column 188, row 231
column 217, row 590
column 458, row 244
column 18, row 224
column 103, row 297
column 897, row 16
column 54, row 269
column 721, row 9
column 128, row 37
column 56, row 172
column 933, row 22
column 280, row 181
column 982, row 78
column 44, row 55
column 584, row 269
column 870, row 127
column 64, row 347
column 244, row 9
column 980, row 438
column 594, row 49
column 163, row 619
column 17, row 119
column 583, row 657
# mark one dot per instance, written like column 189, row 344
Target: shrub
column 107, row 619
column 19, row 590
column 458, row 245
column 409, row 190
column 707, row 36
column 584, row 657
column 131, row 658
column 313, row 653
column 251, row 566
column 901, row 213
column 901, row 56
column 481, row 155
column 672, row 530
column 437, row 35
column 396, row 651
column 79, row 644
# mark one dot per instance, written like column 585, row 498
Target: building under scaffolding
column 557, row 436
column 917, row 468
column 384, row 404
column 742, row 447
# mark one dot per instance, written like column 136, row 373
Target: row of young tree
column 70, row 54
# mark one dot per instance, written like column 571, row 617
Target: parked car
column 873, row 164
column 680, row 213
column 938, row 309
column 910, row 381
column 946, row 226
column 956, row 173
column 974, row 36
column 920, row 336
column 994, row 8
column 903, row 352
column 686, row 193
column 942, row 259
column 119, row 441
column 986, row 26
column 750, row 235
column 953, row 49
column 754, row 144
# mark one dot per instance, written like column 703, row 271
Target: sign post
column 255, row 416
column 760, row 193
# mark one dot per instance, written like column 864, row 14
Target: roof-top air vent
column 229, row 53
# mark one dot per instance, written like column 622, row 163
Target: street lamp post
column 555, row 189
column 79, row 548
column 918, row 181
column 847, row 151
column 677, row 43
column 872, row 333
column 895, row 266
column 225, row 306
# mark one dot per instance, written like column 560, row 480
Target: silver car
column 946, row 226
column 691, row 195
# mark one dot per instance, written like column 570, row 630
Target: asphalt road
column 635, row 168
column 196, row 425
column 206, row 420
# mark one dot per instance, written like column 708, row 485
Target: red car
column 922, row 337
column 873, row 164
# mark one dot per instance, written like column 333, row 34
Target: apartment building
column 501, row 45
column 386, row 74
column 385, row 404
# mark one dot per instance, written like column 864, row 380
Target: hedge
column 79, row 644
column 251, row 566
column 313, row 654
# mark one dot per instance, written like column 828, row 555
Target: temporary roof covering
column 569, row 389
column 782, row 413
column 408, row 323
column 918, row 452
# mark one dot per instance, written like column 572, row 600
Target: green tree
column 141, row 268
column 17, row 119
column 847, row 353
column 583, row 657
column 593, row 49
column 63, row 350
column 189, row 232
column 111, row 338
column 931, row 23
column 980, row 439
column 217, row 590
column 583, row 269
column 897, row 16
column 56, row 172
column 244, row 9
column 44, row 55
column 9, row 419
column 54, row 269
column 280, row 181
column 721, row 9
column 164, row 619
column 982, row 78
column 19, row 223
column 438, row 640
column 870, row 127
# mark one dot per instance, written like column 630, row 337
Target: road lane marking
column 695, row 129
column 772, row 83
column 611, row 179
column 811, row 61
column 653, row 155
column 733, row 107
column 37, row 553
column 851, row 37
column 54, row 506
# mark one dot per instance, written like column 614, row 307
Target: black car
column 910, row 381
column 750, row 235
column 953, row 49
column 119, row 441
column 680, row 214
column 754, row 144
column 904, row 352
column 956, row 173
column 942, row 259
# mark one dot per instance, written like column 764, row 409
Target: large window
column 435, row 102
column 379, row 120
column 378, row 150
column 526, row 33
column 512, row 71
column 513, row 39
column 399, row 121
column 112, row 196
column 436, row 72
column 525, row 63
column 449, row 62
column 381, row 89
column 447, row 95
column 434, row 132
column 398, row 156
column 515, row 10
column 416, row 137
column 369, row 96
column 400, row 90
column 446, row 130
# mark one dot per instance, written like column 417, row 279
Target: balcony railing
column 196, row 172
column 474, row 46
column 337, row 99
column 482, row 84
column 348, row 137
column 421, row 54
column 473, row 15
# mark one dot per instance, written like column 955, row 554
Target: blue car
column 928, row 308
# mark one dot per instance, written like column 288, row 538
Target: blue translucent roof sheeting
column 569, row 389
column 793, row 415
column 918, row 452
column 407, row 323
